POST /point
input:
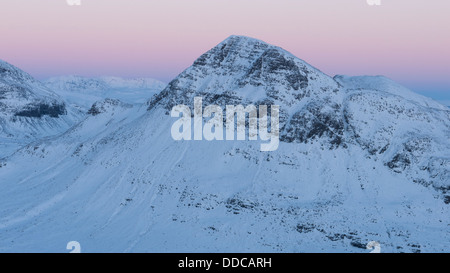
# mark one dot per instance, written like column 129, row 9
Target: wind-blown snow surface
column 82, row 92
column 29, row 110
column 361, row 159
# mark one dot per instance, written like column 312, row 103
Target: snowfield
column 82, row 92
column 360, row 159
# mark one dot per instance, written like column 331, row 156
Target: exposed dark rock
column 235, row 205
column 399, row 163
column 42, row 109
column 447, row 199
column 94, row 110
column 101, row 106
column 305, row 228
column 358, row 244
column 272, row 64
column 313, row 123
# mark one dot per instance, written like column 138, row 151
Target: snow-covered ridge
column 384, row 84
column 84, row 91
column 79, row 83
column 11, row 73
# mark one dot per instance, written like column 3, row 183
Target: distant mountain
column 29, row 110
column 22, row 95
column 361, row 159
column 84, row 91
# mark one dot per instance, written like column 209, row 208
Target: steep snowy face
column 408, row 132
column 29, row 110
column 243, row 70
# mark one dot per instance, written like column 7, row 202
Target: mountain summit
column 243, row 69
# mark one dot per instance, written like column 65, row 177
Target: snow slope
column 360, row 159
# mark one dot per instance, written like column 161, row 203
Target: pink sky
column 406, row 40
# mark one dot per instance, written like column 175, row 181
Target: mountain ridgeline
column 366, row 111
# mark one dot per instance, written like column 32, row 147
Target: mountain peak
column 241, row 51
column 234, row 50
column 245, row 70
column 241, row 40
column 5, row 64
column 10, row 72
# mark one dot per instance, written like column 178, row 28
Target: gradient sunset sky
column 406, row 40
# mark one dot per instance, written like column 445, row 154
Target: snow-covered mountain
column 361, row 159
column 83, row 91
column 29, row 110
